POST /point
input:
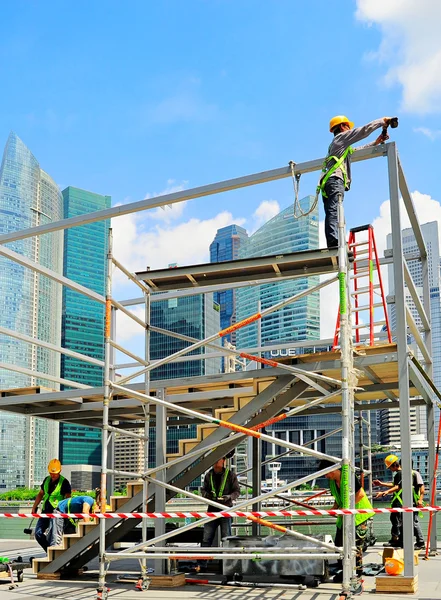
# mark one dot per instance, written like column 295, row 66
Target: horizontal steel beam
column 167, row 199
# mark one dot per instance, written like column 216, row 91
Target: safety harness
column 73, row 522
column 55, row 496
column 398, row 495
column 327, row 173
column 220, row 493
column 363, row 503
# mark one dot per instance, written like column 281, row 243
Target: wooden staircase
column 68, row 540
column 269, row 395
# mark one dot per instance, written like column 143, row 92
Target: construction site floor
column 85, row 588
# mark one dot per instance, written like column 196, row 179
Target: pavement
column 429, row 575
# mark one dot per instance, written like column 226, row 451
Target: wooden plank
column 168, row 581
column 394, row 584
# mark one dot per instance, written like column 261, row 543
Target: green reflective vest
column 363, row 503
column 339, row 162
column 398, row 495
column 55, row 497
column 220, row 492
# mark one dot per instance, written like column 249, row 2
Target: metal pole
column 431, row 471
column 146, row 410
column 161, row 442
column 102, row 589
column 403, row 368
column 346, row 367
column 256, row 479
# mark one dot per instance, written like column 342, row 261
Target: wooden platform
column 396, row 584
column 376, row 366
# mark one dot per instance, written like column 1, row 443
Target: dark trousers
column 42, row 526
column 360, row 535
column 210, row 531
column 333, row 187
column 396, row 532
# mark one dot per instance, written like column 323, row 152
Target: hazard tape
column 202, row 515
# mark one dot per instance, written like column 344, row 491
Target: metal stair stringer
column 270, row 401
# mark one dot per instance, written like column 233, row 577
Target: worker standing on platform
column 361, row 520
column 336, row 172
column 220, row 484
column 393, row 463
column 54, row 488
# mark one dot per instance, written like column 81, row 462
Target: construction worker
column 336, row 172
column 77, row 504
column 54, row 488
column 361, row 520
column 393, row 463
column 220, row 484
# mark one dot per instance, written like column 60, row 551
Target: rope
column 298, row 212
column 334, row 512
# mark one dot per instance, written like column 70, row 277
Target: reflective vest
column 219, row 493
column 55, row 497
column 74, row 522
column 398, row 495
column 363, row 503
column 339, row 162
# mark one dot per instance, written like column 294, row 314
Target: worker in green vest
column 54, row 489
column 335, row 178
column 394, row 487
column 221, row 485
column 361, row 520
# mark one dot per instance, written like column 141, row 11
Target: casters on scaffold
column 355, row 590
column 102, row 593
column 142, row 584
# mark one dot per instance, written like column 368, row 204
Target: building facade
column 84, row 261
column 29, row 304
column 431, row 238
column 226, row 246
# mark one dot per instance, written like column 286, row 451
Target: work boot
column 419, row 546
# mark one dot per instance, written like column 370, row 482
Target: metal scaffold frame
column 321, row 388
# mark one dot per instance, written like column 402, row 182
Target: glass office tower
column 30, row 304
column 85, row 254
column 226, row 246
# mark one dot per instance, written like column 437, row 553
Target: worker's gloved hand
column 224, row 498
column 381, row 139
column 376, row 482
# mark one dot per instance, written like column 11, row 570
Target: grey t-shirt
column 343, row 140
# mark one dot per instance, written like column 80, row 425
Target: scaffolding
column 300, row 384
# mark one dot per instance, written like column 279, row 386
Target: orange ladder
column 366, row 253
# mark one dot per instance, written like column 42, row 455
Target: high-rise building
column 226, row 246
column 195, row 316
column 299, row 320
column 29, row 304
column 85, row 255
column 431, row 238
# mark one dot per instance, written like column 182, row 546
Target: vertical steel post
column 111, row 439
column 146, row 411
column 161, row 449
column 403, row 367
column 347, row 428
column 431, row 469
column 257, row 479
column 102, row 590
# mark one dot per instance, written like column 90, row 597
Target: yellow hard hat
column 394, row 566
column 54, row 466
column 390, row 460
column 338, row 120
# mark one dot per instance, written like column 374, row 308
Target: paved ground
column 85, row 589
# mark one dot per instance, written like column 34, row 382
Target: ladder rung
column 355, row 244
column 368, row 325
column 367, row 307
column 365, row 290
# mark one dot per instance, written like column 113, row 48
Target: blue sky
column 134, row 99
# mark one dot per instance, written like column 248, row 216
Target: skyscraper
column 431, row 238
column 85, row 254
column 226, row 246
column 29, row 304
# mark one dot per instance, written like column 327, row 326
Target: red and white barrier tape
column 202, row 515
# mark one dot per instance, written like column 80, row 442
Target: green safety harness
column 73, row 522
column 398, row 496
column 55, row 496
column 220, row 493
column 327, row 173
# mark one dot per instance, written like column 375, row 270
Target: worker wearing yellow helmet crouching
column 336, row 172
column 54, row 488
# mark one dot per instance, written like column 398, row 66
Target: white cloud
column 263, row 213
column 410, row 48
column 432, row 134
column 127, row 328
column 169, row 212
